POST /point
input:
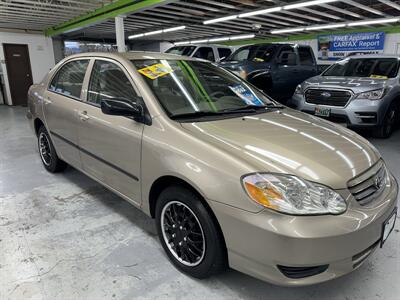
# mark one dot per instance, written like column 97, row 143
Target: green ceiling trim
column 386, row 29
column 106, row 12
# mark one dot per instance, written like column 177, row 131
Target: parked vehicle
column 359, row 91
column 231, row 177
column 214, row 53
column 274, row 68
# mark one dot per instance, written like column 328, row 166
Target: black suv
column 274, row 68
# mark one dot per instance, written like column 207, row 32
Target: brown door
column 18, row 71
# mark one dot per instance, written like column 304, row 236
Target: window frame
column 88, row 68
column 118, row 64
column 309, row 49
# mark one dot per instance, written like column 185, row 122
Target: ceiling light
column 319, row 27
column 156, row 32
column 221, row 39
column 153, row 32
column 135, row 36
column 260, row 12
column 174, row 29
column 199, row 41
column 307, row 3
column 287, row 30
column 242, row 37
column 182, row 43
column 220, row 19
column 368, row 22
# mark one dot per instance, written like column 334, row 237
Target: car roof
column 133, row 55
column 359, row 56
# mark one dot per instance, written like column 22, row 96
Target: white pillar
column 120, row 33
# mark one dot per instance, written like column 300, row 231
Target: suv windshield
column 262, row 53
column 181, row 50
column 191, row 89
column 365, row 67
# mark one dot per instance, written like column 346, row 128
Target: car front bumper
column 258, row 243
column 357, row 113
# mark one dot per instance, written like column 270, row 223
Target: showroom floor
column 65, row 237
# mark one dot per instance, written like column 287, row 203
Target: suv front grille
column 327, row 97
column 368, row 186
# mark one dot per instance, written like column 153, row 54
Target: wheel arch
column 37, row 123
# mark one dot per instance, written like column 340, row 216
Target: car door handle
column 46, row 101
column 83, row 115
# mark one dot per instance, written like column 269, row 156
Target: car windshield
column 200, row 89
column 181, row 50
column 365, row 67
column 262, row 53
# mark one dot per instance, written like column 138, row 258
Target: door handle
column 46, row 101
column 83, row 115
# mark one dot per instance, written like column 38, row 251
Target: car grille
column 368, row 186
column 327, row 97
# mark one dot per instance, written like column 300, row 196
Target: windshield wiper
column 196, row 114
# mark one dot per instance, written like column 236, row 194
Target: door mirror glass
column 287, row 58
column 121, row 107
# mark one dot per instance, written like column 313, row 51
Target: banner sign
column 338, row 46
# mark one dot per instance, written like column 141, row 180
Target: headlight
column 372, row 95
column 298, row 90
column 292, row 195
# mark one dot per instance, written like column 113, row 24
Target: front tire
column 389, row 123
column 188, row 233
column 47, row 152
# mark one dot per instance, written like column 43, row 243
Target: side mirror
column 287, row 58
column 121, row 107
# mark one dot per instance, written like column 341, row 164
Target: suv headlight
column 298, row 90
column 372, row 95
column 292, row 195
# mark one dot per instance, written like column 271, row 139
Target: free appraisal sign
column 337, row 46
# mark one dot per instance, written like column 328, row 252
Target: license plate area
column 388, row 226
column 322, row 111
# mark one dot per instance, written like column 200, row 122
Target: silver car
column 359, row 91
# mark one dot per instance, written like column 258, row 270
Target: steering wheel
column 216, row 93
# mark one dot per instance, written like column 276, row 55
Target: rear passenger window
column 224, row 52
column 306, row 57
column 69, row 79
column 109, row 81
column 205, row 53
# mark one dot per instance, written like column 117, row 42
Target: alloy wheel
column 44, row 149
column 182, row 233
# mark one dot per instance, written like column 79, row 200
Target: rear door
column 61, row 103
column 111, row 145
column 205, row 53
column 285, row 77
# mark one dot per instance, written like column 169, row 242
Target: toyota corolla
column 231, row 177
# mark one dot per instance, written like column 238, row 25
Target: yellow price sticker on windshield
column 155, row 71
column 378, row 76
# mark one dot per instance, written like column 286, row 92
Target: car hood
column 356, row 84
column 291, row 142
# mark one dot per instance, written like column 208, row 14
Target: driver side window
column 108, row 81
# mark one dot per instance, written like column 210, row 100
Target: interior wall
column 40, row 52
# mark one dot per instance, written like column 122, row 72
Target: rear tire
column 47, row 152
column 389, row 123
column 188, row 233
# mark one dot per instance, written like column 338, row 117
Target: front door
column 61, row 103
column 18, row 71
column 111, row 145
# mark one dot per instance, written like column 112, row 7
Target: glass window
column 205, row 53
column 224, row 52
column 69, row 79
column 306, row 57
column 193, row 87
column 364, row 67
column 262, row 53
column 181, row 50
column 287, row 56
column 108, row 81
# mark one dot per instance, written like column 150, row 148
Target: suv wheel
column 188, row 233
column 389, row 123
column 47, row 152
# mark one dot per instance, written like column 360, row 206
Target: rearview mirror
column 121, row 107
